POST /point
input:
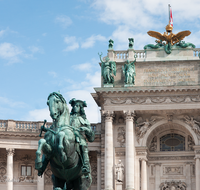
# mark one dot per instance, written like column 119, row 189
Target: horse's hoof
column 57, row 188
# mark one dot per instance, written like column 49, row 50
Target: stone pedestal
column 119, row 185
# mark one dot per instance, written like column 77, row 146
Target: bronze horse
column 60, row 149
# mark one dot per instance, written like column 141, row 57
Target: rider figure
column 79, row 121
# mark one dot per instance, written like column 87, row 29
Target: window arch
column 172, row 142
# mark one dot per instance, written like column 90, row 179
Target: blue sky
column 53, row 45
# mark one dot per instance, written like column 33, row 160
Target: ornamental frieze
column 171, row 158
column 153, row 100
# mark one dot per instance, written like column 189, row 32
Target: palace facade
column 149, row 135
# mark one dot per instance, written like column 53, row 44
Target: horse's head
column 57, row 105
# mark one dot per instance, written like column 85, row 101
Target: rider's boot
column 86, row 165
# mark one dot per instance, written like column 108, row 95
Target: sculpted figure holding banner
column 129, row 72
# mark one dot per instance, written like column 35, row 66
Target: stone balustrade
column 120, row 55
column 196, row 52
column 34, row 127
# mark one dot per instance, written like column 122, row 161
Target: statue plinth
column 119, row 185
column 108, row 85
column 128, row 85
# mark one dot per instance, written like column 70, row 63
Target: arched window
column 172, row 142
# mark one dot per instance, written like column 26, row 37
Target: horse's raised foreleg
column 63, row 156
column 39, row 150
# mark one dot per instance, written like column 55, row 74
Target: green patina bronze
column 108, row 68
column 182, row 44
column 129, row 72
column 111, row 42
column 64, row 145
column 152, row 46
column 131, row 43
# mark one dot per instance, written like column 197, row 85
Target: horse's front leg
column 46, row 148
column 63, row 155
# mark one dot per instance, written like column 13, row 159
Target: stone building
column 149, row 135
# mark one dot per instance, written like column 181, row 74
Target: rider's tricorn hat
column 73, row 101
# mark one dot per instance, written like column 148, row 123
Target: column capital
column 129, row 114
column 10, row 151
column 107, row 114
column 197, row 157
column 143, row 159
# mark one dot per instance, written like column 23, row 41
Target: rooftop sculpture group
column 169, row 39
column 64, row 145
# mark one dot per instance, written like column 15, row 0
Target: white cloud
column 10, row 103
column 71, row 41
column 83, row 67
column 10, row 52
column 94, row 80
column 39, row 115
column 44, row 34
column 2, row 32
column 89, row 42
column 64, row 20
column 35, row 49
column 53, row 74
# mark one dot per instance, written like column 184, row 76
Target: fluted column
column 10, row 153
column 143, row 174
column 108, row 149
column 40, row 182
column 197, row 171
column 98, row 170
column 130, row 151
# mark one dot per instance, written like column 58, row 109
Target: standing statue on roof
column 108, row 68
column 79, row 121
column 129, row 72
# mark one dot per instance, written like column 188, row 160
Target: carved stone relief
column 193, row 123
column 173, row 185
column 3, row 171
column 172, row 170
column 143, row 126
column 94, row 172
column 153, row 145
column 171, row 158
column 47, row 176
column 121, row 136
column 190, row 143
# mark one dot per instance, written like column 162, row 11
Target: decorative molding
column 191, row 143
column 171, row 158
column 120, row 154
column 108, row 115
column 141, row 153
column 24, row 158
column 154, row 100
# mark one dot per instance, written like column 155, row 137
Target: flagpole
column 169, row 12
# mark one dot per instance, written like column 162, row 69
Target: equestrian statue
column 64, row 145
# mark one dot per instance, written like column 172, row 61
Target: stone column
column 137, row 174
column 143, row 174
column 188, row 175
column 40, row 182
column 98, row 170
column 130, row 151
column 108, row 149
column 197, row 171
column 10, row 153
